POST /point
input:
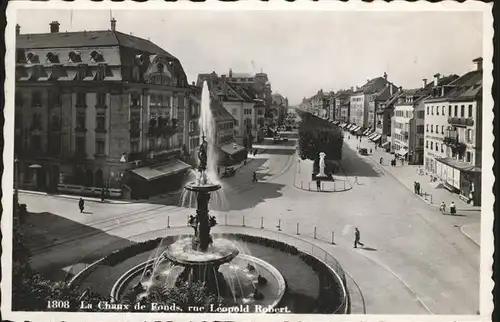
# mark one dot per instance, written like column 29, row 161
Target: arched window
column 161, row 67
column 32, row 58
column 74, row 57
column 53, row 58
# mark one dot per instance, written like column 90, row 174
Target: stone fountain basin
column 221, row 251
column 198, row 187
column 273, row 291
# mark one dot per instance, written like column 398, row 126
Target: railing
column 288, row 232
column 463, row 121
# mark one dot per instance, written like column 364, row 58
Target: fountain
column 202, row 258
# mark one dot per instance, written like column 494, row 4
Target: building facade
column 453, row 138
column 93, row 107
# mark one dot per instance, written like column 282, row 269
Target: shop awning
column 376, row 137
column 355, row 128
column 232, row 148
column 349, row 126
column 166, row 169
column 386, row 143
column 402, row 152
column 459, row 165
column 372, row 135
column 365, row 132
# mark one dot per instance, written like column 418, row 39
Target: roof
column 373, row 86
column 460, row 165
column 219, row 112
column 99, row 38
column 168, row 168
column 465, row 87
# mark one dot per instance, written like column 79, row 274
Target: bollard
column 309, row 186
column 187, row 222
column 243, row 218
column 333, row 237
column 298, row 229
column 431, row 198
column 301, row 187
column 261, row 222
column 315, row 233
column 279, row 224
column 168, row 221
column 225, row 220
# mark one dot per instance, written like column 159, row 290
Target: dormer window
column 160, row 67
column 32, row 58
column 53, row 58
column 96, row 57
column 75, row 57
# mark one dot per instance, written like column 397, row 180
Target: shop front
column 461, row 178
column 149, row 181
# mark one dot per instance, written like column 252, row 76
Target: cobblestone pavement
column 415, row 260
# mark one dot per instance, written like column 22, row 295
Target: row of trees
column 318, row 135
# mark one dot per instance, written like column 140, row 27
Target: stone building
column 453, row 137
column 98, row 109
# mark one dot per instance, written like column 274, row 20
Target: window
column 36, row 143
column 449, row 110
column 36, row 98
column 101, row 121
column 469, row 136
column 432, row 110
column 420, row 129
column 80, row 146
column 437, row 147
column 470, row 110
column 421, row 114
column 160, row 100
column 437, row 128
column 135, row 99
column 442, row 110
column 80, row 120
column 233, row 111
column 152, row 100
column 99, row 146
column 442, row 129
column 456, row 110
column 432, row 129
column 421, row 142
column 134, row 146
column 428, row 110
column 462, row 111
column 236, row 122
column 426, row 144
column 81, row 99
column 100, row 99
column 432, row 145
column 469, row 157
column 437, row 110
column 442, row 148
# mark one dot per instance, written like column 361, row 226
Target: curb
column 469, row 236
column 307, row 190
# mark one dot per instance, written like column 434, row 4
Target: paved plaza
column 415, row 260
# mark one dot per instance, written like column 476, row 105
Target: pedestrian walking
column 356, row 180
column 402, row 161
column 318, row 185
column 381, row 160
column 349, row 137
column 81, row 205
column 103, row 195
column 414, row 186
column 375, row 147
column 442, row 208
column 357, row 237
column 453, row 209
column 255, row 152
column 418, row 188
column 370, row 151
column 254, row 177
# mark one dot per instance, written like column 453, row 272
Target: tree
column 317, row 135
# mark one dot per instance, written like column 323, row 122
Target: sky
column 301, row 52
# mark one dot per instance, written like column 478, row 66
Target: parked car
column 363, row 151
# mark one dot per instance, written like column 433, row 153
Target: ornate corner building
column 97, row 109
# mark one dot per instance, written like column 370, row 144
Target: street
column 413, row 255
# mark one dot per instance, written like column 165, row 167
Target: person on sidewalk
column 81, row 205
column 442, row 208
column 381, row 160
column 414, row 186
column 349, row 136
column 356, row 180
column 318, row 185
column 102, row 195
column 453, row 209
column 357, row 237
column 370, row 151
column 255, row 152
column 418, row 188
column 254, row 179
column 402, row 161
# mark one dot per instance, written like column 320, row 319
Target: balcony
column 461, row 121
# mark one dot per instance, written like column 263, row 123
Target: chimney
column 54, row 27
column 385, row 75
column 479, row 63
column 436, row 79
column 18, row 30
column 401, row 89
column 230, row 73
column 352, row 88
column 424, row 84
column 113, row 24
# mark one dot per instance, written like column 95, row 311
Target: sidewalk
column 432, row 193
column 473, row 231
column 125, row 201
column 303, row 179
